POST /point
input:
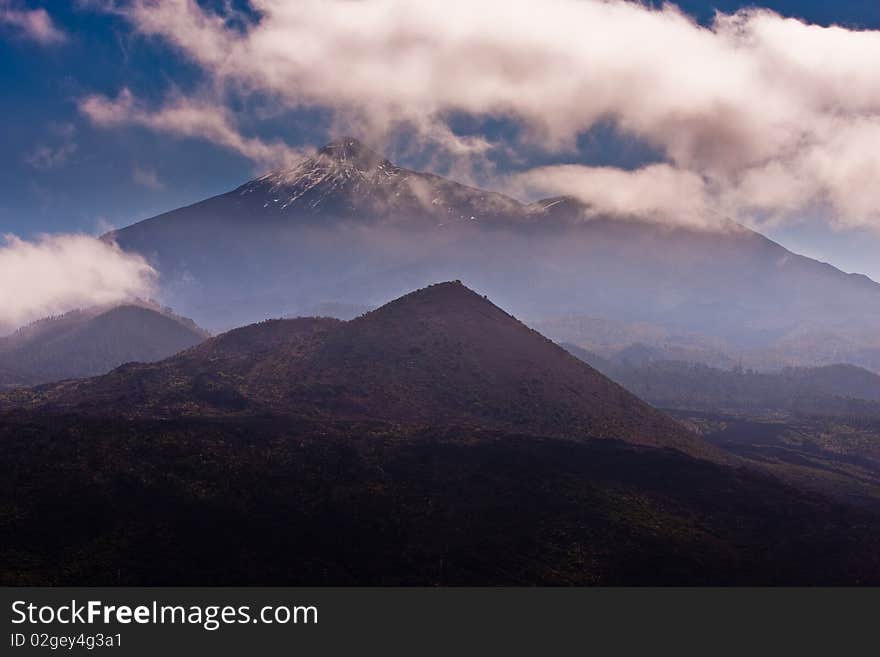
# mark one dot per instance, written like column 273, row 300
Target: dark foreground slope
column 435, row 440
column 92, row 341
column 818, row 428
column 274, row 501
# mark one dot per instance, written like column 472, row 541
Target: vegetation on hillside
column 88, row 342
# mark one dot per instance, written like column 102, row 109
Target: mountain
column 837, row 390
column 92, row 341
column 344, row 219
column 346, row 226
column 434, row 440
column 443, row 355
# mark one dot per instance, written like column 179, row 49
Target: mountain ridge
column 838, row 389
column 439, row 356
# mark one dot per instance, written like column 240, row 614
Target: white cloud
column 34, row 24
column 56, row 273
column 658, row 192
column 186, row 117
column 774, row 116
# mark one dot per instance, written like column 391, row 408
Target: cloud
column 146, row 177
column 57, row 273
column 34, row 24
column 186, row 117
column 659, row 191
column 775, row 116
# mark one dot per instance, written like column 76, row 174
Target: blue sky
column 63, row 174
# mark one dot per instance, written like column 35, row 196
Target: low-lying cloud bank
column 659, row 191
column 57, row 273
column 757, row 115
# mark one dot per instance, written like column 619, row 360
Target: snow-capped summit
column 346, row 180
column 337, row 171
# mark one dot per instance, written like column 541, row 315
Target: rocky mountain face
column 350, row 228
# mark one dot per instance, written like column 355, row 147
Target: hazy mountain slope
column 608, row 338
column 733, row 284
column 92, row 341
column 831, row 390
column 439, row 356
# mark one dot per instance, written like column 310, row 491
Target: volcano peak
column 349, row 150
